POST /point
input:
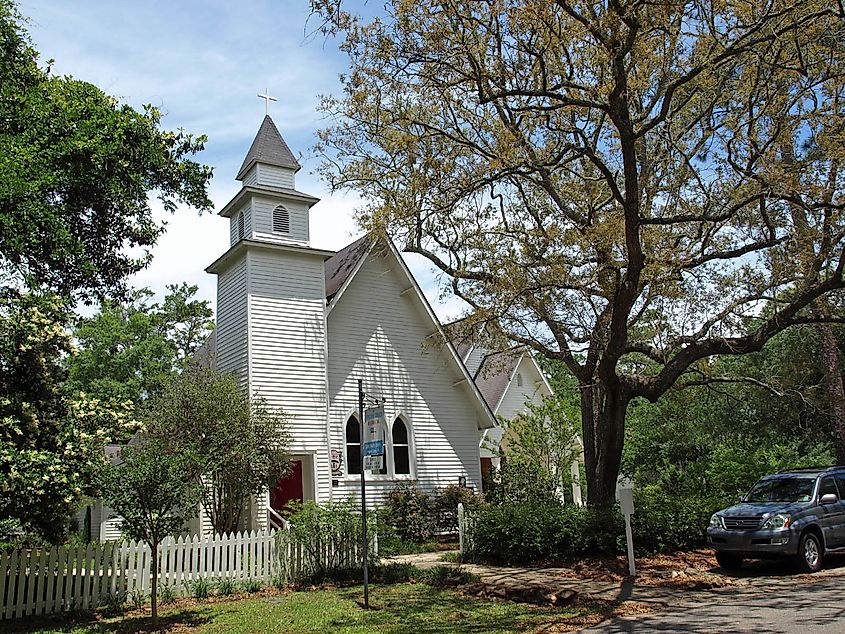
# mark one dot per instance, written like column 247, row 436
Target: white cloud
column 203, row 63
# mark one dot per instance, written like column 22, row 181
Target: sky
column 203, row 63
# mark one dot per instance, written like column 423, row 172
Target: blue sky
column 203, row 64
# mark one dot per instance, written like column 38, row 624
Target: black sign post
column 363, row 494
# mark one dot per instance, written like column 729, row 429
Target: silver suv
column 797, row 513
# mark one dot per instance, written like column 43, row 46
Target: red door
column 288, row 488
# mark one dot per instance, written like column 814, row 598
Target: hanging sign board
column 375, row 421
column 373, row 448
column 374, row 463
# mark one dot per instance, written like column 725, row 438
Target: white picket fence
column 45, row 581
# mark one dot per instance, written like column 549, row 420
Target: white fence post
column 461, row 527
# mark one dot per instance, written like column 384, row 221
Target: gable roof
column 341, row 269
column 270, row 148
column 495, row 374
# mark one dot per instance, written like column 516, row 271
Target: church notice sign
column 375, row 419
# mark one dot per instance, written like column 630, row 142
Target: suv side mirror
column 829, row 498
column 742, row 498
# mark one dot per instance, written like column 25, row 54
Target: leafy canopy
column 75, row 174
column 51, row 444
column 235, row 446
column 628, row 187
column 129, row 350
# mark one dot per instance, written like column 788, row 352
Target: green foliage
column 252, row 585
column 233, row 445
column 201, row 589
column 153, row 491
column 445, row 502
column 447, row 576
column 328, row 534
column 226, row 586
column 51, row 445
column 137, row 599
column 545, row 436
column 166, row 593
column 410, row 512
column 518, row 482
column 534, row 532
column 129, row 351
column 76, row 172
column 394, row 573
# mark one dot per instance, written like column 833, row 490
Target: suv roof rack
column 811, row 469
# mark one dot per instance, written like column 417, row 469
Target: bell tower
column 271, row 300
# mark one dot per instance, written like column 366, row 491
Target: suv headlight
column 778, row 522
column 716, row 521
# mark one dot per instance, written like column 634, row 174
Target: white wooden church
column 299, row 326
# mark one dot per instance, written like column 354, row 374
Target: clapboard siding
column 377, row 334
column 473, row 361
column 251, row 177
column 274, row 176
column 232, row 353
column 532, row 390
column 263, row 226
column 288, row 348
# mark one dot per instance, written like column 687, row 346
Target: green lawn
column 400, row 608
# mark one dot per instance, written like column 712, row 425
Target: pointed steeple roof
column 270, row 148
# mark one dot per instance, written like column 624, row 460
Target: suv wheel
column 809, row 557
column 729, row 561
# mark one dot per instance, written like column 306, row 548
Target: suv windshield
column 784, row 489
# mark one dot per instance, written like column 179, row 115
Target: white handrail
column 275, row 520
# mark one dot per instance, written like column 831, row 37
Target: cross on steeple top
column 267, row 99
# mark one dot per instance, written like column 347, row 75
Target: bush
column 226, row 586
column 252, row 585
column 447, row 576
column 328, row 535
column 519, row 482
column 445, row 505
column 410, row 513
column 166, row 593
column 200, row 589
column 663, row 523
column 531, row 532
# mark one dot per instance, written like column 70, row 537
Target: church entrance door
column 288, row 488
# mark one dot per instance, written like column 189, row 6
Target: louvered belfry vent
column 281, row 219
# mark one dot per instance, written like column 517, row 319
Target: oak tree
column 75, row 174
column 629, row 187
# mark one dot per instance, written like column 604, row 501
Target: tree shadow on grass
column 119, row 624
column 437, row 611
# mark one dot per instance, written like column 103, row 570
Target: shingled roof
column 341, row 265
column 494, row 374
column 270, row 148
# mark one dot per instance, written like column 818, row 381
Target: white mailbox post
column 625, row 495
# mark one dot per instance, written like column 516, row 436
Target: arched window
column 353, row 446
column 240, row 226
column 401, row 450
column 281, row 219
column 519, row 379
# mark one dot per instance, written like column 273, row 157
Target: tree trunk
column 603, row 409
column 154, row 588
column 829, row 352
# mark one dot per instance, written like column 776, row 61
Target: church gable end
column 378, row 331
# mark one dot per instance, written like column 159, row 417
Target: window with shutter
column 281, row 219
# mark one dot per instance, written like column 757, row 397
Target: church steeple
column 268, row 148
column 268, row 208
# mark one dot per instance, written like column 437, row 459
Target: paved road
column 767, row 606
